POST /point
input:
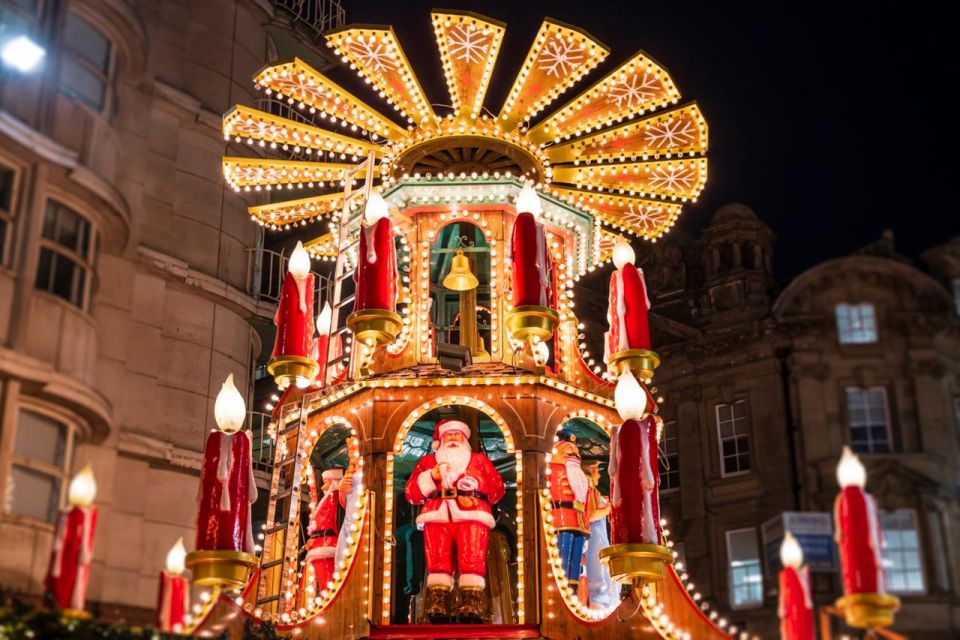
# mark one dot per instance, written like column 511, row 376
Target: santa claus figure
column 457, row 489
column 569, row 490
column 602, row 588
column 326, row 516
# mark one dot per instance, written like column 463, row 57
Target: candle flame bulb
column 229, row 410
column 83, row 488
column 850, row 471
column 176, row 558
column 323, row 320
column 528, row 201
column 299, row 263
column 791, row 554
column 623, row 254
column 629, row 397
column 375, row 208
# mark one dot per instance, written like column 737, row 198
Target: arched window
column 86, row 62
column 446, row 314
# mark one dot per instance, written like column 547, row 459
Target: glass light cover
column 791, row 554
column 528, row 201
column 229, row 410
column 850, row 471
column 83, row 488
column 629, row 397
column 299, row 264
column 176, row 558
column 623, row 254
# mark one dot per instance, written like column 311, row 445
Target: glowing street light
column 22, row 54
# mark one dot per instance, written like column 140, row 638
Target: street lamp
column 22, row 53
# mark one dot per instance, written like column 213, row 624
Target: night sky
column 831, row 121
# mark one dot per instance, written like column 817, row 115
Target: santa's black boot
column 437, row 604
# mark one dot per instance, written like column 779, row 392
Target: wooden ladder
column 279, row 560
column 348, row 243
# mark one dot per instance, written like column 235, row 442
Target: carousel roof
column 624, row 150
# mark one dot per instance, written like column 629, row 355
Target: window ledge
column 27, row 522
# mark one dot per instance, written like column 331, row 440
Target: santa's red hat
column 333, row 473
column 449, row 424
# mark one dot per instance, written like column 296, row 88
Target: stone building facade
column 124, row 297
column 762, row 387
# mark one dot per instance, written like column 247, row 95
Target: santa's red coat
column 860, row 541
column 528, row 246
column 795, row 605
column 321, row 549
column 635, row 483
column 227, row 490
column 567, row 518
column 421, row 489
column 376, row 273
column 294, row 318
column 628, row 311
column 70, row 558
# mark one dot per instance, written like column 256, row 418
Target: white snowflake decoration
column 559, row 57
column 469, row 45
column 375, row 55
column 673, row 178
column 670, row 133
column 646, row 216
column 634, row 89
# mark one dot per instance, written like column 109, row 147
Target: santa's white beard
column 578, row 479
column 457, row 455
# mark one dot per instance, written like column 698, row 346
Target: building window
column 746, row 576
column 85, row 67
column 869, row 420
column 669, row 459
column 901, row 551
column 37, row 466
column 7, row 178
column 733, row 432
column 856, row 323
column 65, row 254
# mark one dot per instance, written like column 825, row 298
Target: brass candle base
column 375, row 326
column 640, row 362
column 636, row 563
column 532, row 321
column 868, row 610
column 227, row 570
column 287, row 370
column 76, row 614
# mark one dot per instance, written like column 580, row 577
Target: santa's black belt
column 323, row 533
column 579, row 506
column 456, row 493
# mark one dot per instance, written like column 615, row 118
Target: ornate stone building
column 125, row 280
column 762, row 387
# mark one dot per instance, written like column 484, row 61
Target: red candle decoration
column 796, row 603
column 634, row 515
column 376, row 273
column 227, row 488
column 69, row 569
column 629, row 305
column 294, row 317
column 635, row 554
column 528, row 245
column 858, row 535
column 323, row 355
column 173, row 602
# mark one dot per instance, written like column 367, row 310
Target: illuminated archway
column 390, row 511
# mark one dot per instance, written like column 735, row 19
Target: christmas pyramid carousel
column 449, row 462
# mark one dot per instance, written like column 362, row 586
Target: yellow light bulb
column 83, row 488
column 791, row 554
column 629, row 398
column 176, row 558
column 229, row 410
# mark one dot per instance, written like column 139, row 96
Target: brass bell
column 460, row 277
